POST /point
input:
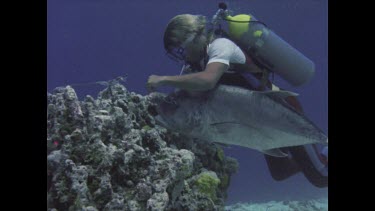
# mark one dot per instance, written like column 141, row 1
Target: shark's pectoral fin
column 274, row 152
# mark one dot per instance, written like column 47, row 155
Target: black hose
column 246, row 22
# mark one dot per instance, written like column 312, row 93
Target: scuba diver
column 245, row 57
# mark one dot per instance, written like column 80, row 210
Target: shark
column 230, row 115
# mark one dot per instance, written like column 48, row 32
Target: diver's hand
column 153, row 82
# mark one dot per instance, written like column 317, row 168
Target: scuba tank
column 265, row 47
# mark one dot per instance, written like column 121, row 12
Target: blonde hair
column 181, row 27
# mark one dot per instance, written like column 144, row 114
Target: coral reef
column 108, row 154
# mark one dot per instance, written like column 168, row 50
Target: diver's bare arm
column 200, row 81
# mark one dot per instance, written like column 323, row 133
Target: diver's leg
column 281, row 168
column 314, row 170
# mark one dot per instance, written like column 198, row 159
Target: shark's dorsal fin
column 222, row 144
column 279, row 94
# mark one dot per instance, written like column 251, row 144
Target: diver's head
column 185, row 37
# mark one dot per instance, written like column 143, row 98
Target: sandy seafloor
column 308, row 205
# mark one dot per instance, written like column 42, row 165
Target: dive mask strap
column 178, row 54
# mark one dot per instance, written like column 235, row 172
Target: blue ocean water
column 96, row 40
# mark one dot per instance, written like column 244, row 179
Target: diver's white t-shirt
column 225, row 51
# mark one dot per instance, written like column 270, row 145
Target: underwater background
column 97, row 40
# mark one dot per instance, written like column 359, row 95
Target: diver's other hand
column 153, row 82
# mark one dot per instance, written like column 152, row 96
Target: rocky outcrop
column 108, row 154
